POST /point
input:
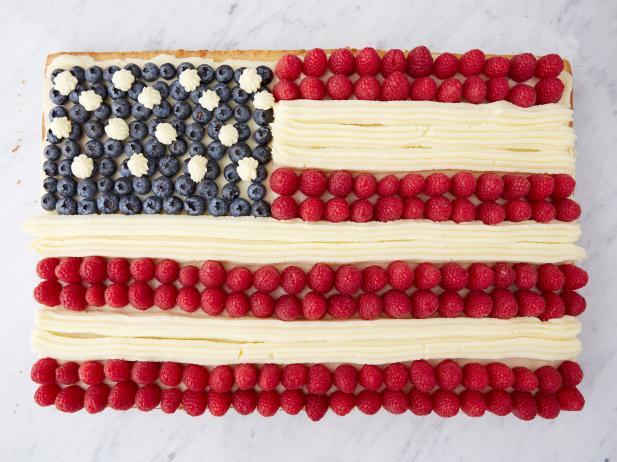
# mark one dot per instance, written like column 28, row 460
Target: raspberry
column 245, row 376
column 170, row 400
column 170, row 374
column 312, row 182
column 292, row 401
column 526, row 275
column 269, row 376
column 312, row 88
column 374, row 278
column 491, row 213
column 389, row 208
column 575, row 277
column 424, row 304
column 450, row 91
column 95, row 398
column 471, row 63
column 445, row 403
column 478, row 304
column 73, row 297
column 426, row 276
column 515, row 186
column 445, row 66
column 142, row 269
column 522, row 67
column 145, row 372
column 523, row 405
column 319, row 379
column 475, row 377
column 419, row 62
column 93, row 269
column 148, row 397
column 395, row 87
column 489, row 187
column 498, row 402
column 395, row 376
column 91, row 373
column 46, row 268
column 522, row 95
column 400, row 275
column 549, row 379
column 411, row 185
column 342, row 403
column 448, row 374
column 547, row 405
column 497, row 89
column 341, row 306
column 368, row 62
column 268, row 403
column 393, row 61
column 567, row 210
column 315, row 63
column 422, row 375
column 195, row 377
column 571, row 373
column 342, row 61
column 320, row 278
column 436, row 184
column 218, row 403
column 165, row 296
column 396, row 304
column 68, row 270
column 496, row 66
column 549, row 66
column 550, row 277
column 370, row 377
column 237, row 304
column 221, row 379
column 413, row 208
column 262, row 305
column 368, row 402
column 141, row 295
column 394, row 401
column 266, row 278
column 48, row 293
column 549, row 90
column 504, row 304
column 423, row 89
column 239, row 279
column 288, row 307
column 314, row 306
column 524, row 379
column 285, row 90
column 194, row 403
column 339, row 87
column 70, row 399
column 43, row 371
column 189, row 275
column 453, row 276
column 503, row 275
column 345, row 378
column 316, row 406
column 388, row 186
column 474, row 90
column 348, row 279
column 284, row 181
column 481, row 276
column 575, row 304
column 463, row 185
column 340, row 183
column 361, row 211
column 166, row 271
column 118, row 270
column 420, row 402
column 369, row 306
column 463, row 210
column 117, row 370
column 288, row 67
column 364, row 185
column 294, row 376
column 122, row 396
column 367, row 88
column 500, row 376
column 541, row 187
column 555, row 307
column 564, row 186
column 570, row 399
column 284, row 208
column 438, row 208
column 542, row 212
column 473, row 403
column 530, row 303
column 450, row 304
column 188, row 299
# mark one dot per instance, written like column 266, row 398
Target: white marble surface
column 582, row 31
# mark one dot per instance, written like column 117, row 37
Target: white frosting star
column 65, row 82
column 90, row 100
column 60, row 127
column 165, row 133
column 189, row 79
column 138, row 165
column 197, row 168
column 247, row 168
column 117, row 129
column 149, row 97
column 263, row 100
column 123, row 79
column 250, row 80
column 209, row 100
column 82, row 166
column 228, row 135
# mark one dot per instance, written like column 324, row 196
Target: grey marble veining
column 582, row 31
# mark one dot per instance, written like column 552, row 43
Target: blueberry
column 124, row 169
column 50, row 184
column 266, row 74
column 53, row 139
column 262, row 117
column 263, row 135
column 140, row 112
column 86, row 207
column 162, row 110
column 152, row 205
column 239, row 95
column 260, row 209
column 94, row 74
column 262, row 174
column 242, row 113
column 57, row 111
column 197, row 93
column 178, row 147
column 201, row 115
column 66, row 206
column 238, row 73
column 224, row 73
column 100, row 89
column 223, row 112
column 184, row 185
column 70, row 149
column 230, row 191
column 172, row 205
column 66, row 187
column 216, row 150
column 179, row 126
column 177, row 91
column 223, row 91
column 162, row 88
column 182, row 110
column 135, row 90
column 115, row 93
column 112, row 148
column 162, row 187
column 231, row 173
column 121, row 108
column 150, row 72
column 50, row 168
column 86, row 188
column 94, row 129
column 64, row 168
column 153, row 149
column 109, row 72
column 213, row 129
column 217, row 207
column 141, row 185
column 152, row 124
column 107, row 166
column 48, row 201
column 168, row 71
column 104, row 184
column 244, row 132
column 107, row 203
column 197, row 149
column 206, row 189
column 206, row 73
column 132, row 147
column 212, row 170
column 78, row 114
column 256, row 191
column 130, row 205
column 262, row 154
column 138, row 129
column 184, row 66
column 238, row 151
column 79, row 73
column 135, row 70
column 194, row 205
column 51, row 152
column 94, row 149
column 123, row 186
column 74, row 95
column 102, row 112
column 169, row 165
column 56, row 97
column 239, row 207
column 194, row 132
column 75, row 133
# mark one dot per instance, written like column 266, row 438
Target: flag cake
column 308, row 231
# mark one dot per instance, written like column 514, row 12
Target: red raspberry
column 388, row 186
column 463, row 185
column 448, row 374
column 341, row 306
column 445, row 66
column 423, row 89
column 419, row 62
column 522, row 67
column 91, row 373
column 367, row 88
column 498, row 402
column 320, row 278
column 500, row 376
column 340, row 183
column 374, row 278
column 342, row 403
column 239, row 279
column 361, row 211
column 478, row 304
column 523, row 405
column 339, row 87
column 188, row 299
column 549, row 66
column 46, row 268
column 316, row 406
column 400, row 275
column 285, row 90
column 189, row 275
column 450, row 304
column 93, row 269
column 266, row 279
column 348, row 279
column 70, row 399
column 237, row 304
column 368, row 402
column 567, row 210
column 288, row 307
column 393, row 61
column 268, row 403
column 166, row 271
column 364, row 185
column 424, row 304
column 292, row 401
column 422, row 375
column 396, row 304
column 515, row 186
column 245, row 376
column 116, row 295
column 312, row 182
column 547, row 405
column 170, row 400
column 284, row 208
column 504, row 304
column 118, row 270
column 526, row 275
column 555, row 307
column 575, row 277
column 549, row 379
column 524, row 379
column 453, row 276
column 369, row 306
column 48, row 293
column 148, row 397
column 73, row 297
column 145, row 372
column 550, row 277
column 503, row 275
column 67, row 373
column 170, row 374
column 549, row 90
column 294, row 376
column 68, row 270
column 475, row 377
column 522, row 95
column 345, row 378
column 342, row 61
column 473, row 403
column 288, row 67
column 117, row 370
column 496, row 66
column 95, row 398
column 314, row 306
column 570, row 399
column 395, row 376
column 195, row 377
column 541, row 187
column 420, row 402
column 43, row 371
column 497, row 89
column 436, row 184
column 368, row 62
column 543, row 212
column 450, row 91
column 472, row 62
column 269, row 376
column 394, row 401
column 122, row 396
column 312, row 88
column 489, row 187
column 395, row 87
column 388, row 209
column 284, row 181
column 194, row 403
column 491, row 213
column 571, row 373
column 463, row 210
column 141, row 295
column 165, row 296
column 370, row 377
column 445, row 403
column 426, row 276
column 474, row 90
column 221, row 379
column 413, row 208
column 575, row 304
column 481, row 276
column 319, row 379
column 530, row 303
column 262, row 305
column 142, row 269
column 438, row 209
column 411, row 185
column 315, row 63
column 564, row 186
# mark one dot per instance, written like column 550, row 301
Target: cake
column 308, row 230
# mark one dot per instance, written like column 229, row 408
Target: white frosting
column 82, row 166
column 247, row 168
column 209, row 100
column 263, row 100
column 123, row 79
column 165, row 133
column 65, row 82
column 250, row 80
column 117, row 129
column 90, row 100
column 197, row 168
column 228, row 135
column 189, row 79
column 149, row 97
column 138, row 165
column 60, row 127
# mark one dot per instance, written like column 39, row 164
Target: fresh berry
column 364, row 185
column 194, row 403
column 315, row 63
column 541, row 187
column 292, row 401
column 515, row 186
column 491, row 213
column 450, row 91
column 549, row 379
column 411, row 185
column 422, row 375
column 294, row 376
column 93, row 269
column 388, row 208
column 91, row 373
column 445, row 66
column 550, row 277
column 555, row 307
column 522, row 95
column 70, row 399
column 396, row 304
column 337, row 210
column 523, row 405
column 424, row 304
column 496, row 66
column 221, row 379
column 170, row 400
column 423, row 89
column 237, row 304
column 212, row 274
column 438, row 208
column 570, row 399
column 361, row 211
column 342, row 61
column 341, row 306
column 189, row 275
column 426, row 276
column 245, row 376
column 68, row 270
column 497, row 89
column 195, row 377
column 472, row 62
column 571, row 373
column 530, row 303
column 549, row 90
column 312, row 88
column 316, row 406
column 489, row 187
column 284, row 181
column 453, row 276
column 475, row 377
column 288, row 307
column 288, row 67
column 117, row 370
column 394, row 401
column 524, row 379
column 413, row 208
column 400, row 275
column 118, row 270
column 393, row 61
column 522, row 67
column 463, row 210
column 564, row 186
column 504, row 304
column 164, row 296
column 284, row 208
column 166, row 271
column 369, row 306
column 141, row 295
column 436, row 184
column 419, row 62
column 574, row 303
column 46, row 268
column 395, row 87
column 285, row 90
column 500, row 376
column 342, row 403
column 567, row 210
column 48, row 293
column 148, row 397
column 239, row 279
column 445, row 403
column 543, row 212
column 481, row 276
column 575, row 277
column 95, row 398
column 314, row 306
column 474, row 90
column 420, row 402
column 478, row 304
column 312, row 182
column 339, row 87
column 498, row 402
column 320, row 278
column 345, row 378
column 145, row 372
column 262, row 304
column 526, row 275
column 388, row 186
column 268, row 403
column 340, row 183
column 43, row 371
column 368, row 62
column 269, row 376
column 266, row 279
column 122, row 396
column 188, row 299
column 73, row 297
column 370, row 377
column 170, row 374
column 319, row 379
column 374, row 278
column 473, row 403
column 451, row 304
column 549, row 66
column 142, row 269
column 449, row 374
column 547, row 405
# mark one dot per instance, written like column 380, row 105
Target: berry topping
column 320, row 278
column 319, row 379
column 496, row 66
column 424, row 304
column 480, row 276
column 450, row 91
column 563, row 186
column 341, row 61
column 419, row 62
column 118, row 270
column 524, row 379
column 93, row 269
column 73, row 297
column 170, row 400
column 374, row 278
column 339, row 87
column 394, row 401
column 448, row 374
column 549, row 90
column 369, row 306
column 368, row 402
column 91, row 373
column 445, row 403
column 400, row 275
column 95, row 398
column 395, row 87
column 212, row 274
column 312, row 182
column 68, row 270
column 570, row 399
column 315, row 63
column 550, row 277
column 342, row 403
column 522, row 95
column 393, row 61
column 522, row 67
column 474, row 90
column 500, row 376
column 345, row 378
column 311, row 209
column 312, row 88
column 44, row 371
column 170, row 374
column 166, row 271
column 498, row 402
column 575, row 277
column 337, row 210
column 396, row 304
column 122, row 396
column 549, row 66
column 370, row 377
column 473, row 403
column 523, row 405
column 367, row 88
column 436, row 184
column 388, row 208
column 46, row 268
column 341, row 306
column 423, row 89
column 285, row 90
column 268, row 403
column 567, row 210
column 340, row 183
column 70, row 399
column 422, row 376
column 471, row 63
column 316, row 406
column 288, row 67
column 426, row 276
column 292, row 401
column 549, row 379
column 221, row 379
column 571, row 373
column 445, row 66
column 475, row 377
column 145, row 372
column 497, row 89
column 48, row 293
column 368, row 62
column 314, row 306
column 194, row 402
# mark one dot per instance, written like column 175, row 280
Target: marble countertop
column 584, row 32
